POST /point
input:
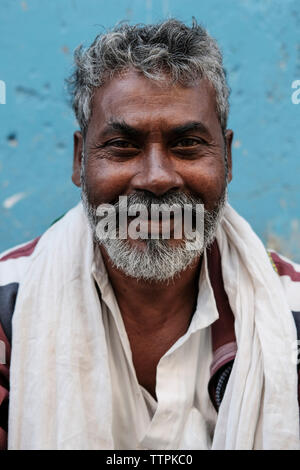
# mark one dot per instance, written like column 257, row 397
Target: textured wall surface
column 260, row 40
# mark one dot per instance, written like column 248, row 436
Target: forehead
column 143, row 102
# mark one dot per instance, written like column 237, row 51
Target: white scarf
column 61, row 395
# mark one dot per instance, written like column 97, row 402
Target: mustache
column 146, row 199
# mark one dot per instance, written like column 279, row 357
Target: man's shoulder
column 285, row 266
column 14, row 260
column 289, row 274
column 13, row 265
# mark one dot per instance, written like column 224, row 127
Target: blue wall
column 261, row 44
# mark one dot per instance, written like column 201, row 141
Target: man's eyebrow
column 119, row 126
column 190, row 126
column 125, row 129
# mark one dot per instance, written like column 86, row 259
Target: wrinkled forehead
column 141, row 101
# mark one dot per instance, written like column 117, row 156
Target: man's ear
column 228, row 143
column 78, row 148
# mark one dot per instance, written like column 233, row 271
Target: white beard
column 158, row 260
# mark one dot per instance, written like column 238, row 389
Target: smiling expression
column 145, row 136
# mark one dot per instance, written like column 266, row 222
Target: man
column 137, row 342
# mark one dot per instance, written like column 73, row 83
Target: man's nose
column 157, row 173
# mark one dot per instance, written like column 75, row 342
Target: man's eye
column 187, row 143
column 122, row 144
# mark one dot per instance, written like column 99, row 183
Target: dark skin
column 145, row 137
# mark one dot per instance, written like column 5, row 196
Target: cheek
column 105, row 181
column 207, row 180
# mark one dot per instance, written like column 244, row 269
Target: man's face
column 148, row 139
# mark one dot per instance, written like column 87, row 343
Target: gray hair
column 170, row 48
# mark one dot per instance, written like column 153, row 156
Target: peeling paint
column 27, row 92
column 65, row 49
column 24, row 6
column 13, row 200
column 12, row 140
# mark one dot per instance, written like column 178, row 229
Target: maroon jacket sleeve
column 8, row 294
column 4, row 390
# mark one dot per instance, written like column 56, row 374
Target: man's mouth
column 164, row 225
column 157, row 221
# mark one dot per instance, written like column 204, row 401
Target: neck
column 149, row 305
